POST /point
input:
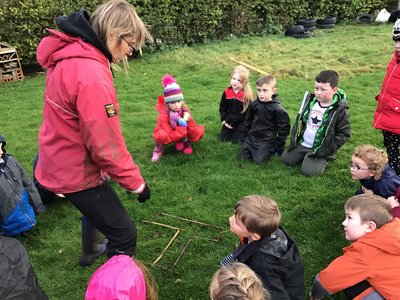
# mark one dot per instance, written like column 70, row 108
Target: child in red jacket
column 175, row 123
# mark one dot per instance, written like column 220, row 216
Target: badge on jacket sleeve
column 110, row 110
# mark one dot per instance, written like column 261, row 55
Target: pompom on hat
column 396, row 30
column 172, row 91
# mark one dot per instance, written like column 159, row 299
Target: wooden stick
column 191, row 221
column 183, row 251
column 249, row 66
column 160, row 224
column 165, row 249
column 207, row 239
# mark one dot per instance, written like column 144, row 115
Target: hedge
column 179, row 22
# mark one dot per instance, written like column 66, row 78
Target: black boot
column 91, row 248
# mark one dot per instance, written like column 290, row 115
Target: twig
column 163, row 225
column 191, row 221
column 165, row 249
column 207, row 239
column 183, row 251
column 249, row 66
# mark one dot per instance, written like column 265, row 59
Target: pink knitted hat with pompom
column 172, row 91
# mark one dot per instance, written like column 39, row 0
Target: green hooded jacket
column 334, row 131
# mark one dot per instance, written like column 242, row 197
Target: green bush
column 178, row 22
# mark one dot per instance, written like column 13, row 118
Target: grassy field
column 205, row 185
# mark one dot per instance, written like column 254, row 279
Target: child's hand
column 367, row 191
column 393, row 201
column 227, row 125
column 186, row 116
column 278, row 151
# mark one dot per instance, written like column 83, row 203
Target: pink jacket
column 80, row 137
column 387, row 114
column 118, row 279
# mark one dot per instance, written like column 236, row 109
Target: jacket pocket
column 391, row 115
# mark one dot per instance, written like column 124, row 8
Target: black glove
column 144, row 195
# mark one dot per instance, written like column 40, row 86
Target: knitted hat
column 172, row 91
column 396, row 30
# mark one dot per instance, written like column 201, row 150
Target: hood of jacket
column 118, row 278
column 386, row 238
column 78, row 39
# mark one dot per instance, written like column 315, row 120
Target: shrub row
column 174, row 22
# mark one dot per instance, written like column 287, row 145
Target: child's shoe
column 188, row 148
column 179, row 146
column 157, row 152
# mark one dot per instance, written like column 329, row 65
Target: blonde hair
column 268, row 80
column 375, row 158
column 151, row 285
column 119, row 17
column 237, row 282
column 371, row 208
column 259, row 214
column 244, row 75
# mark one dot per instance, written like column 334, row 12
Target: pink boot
column 157, row 152
column 179, row 146
column 188, row 148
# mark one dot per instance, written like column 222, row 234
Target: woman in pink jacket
column 80, row 139
column 387, row 114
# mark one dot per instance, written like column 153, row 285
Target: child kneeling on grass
column 175, row 123
column 233, row 106
column 268, row 250
column 238, row 282
column 369, row 267
column 267, row 124
column 322, row 126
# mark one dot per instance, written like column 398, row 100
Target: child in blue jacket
column 19, row 196
column 370, row 166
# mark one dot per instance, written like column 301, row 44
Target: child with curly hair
column 370, row 166
column 175, row 124
column 233, row 106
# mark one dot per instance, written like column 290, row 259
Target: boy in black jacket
column 321, row 128
column 266, row 248
column 267, row 124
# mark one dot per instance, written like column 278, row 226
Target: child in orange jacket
column 369, row 267
column 175, row 123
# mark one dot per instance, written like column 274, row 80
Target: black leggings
column 392, row 144
column 103, row 208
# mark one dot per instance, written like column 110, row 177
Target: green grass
column 205, row 186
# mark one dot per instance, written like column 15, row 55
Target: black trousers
column 103, row 208
column 392, row 144
column 235, row 136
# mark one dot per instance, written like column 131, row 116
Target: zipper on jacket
column 326, row 131
column 19, row 199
